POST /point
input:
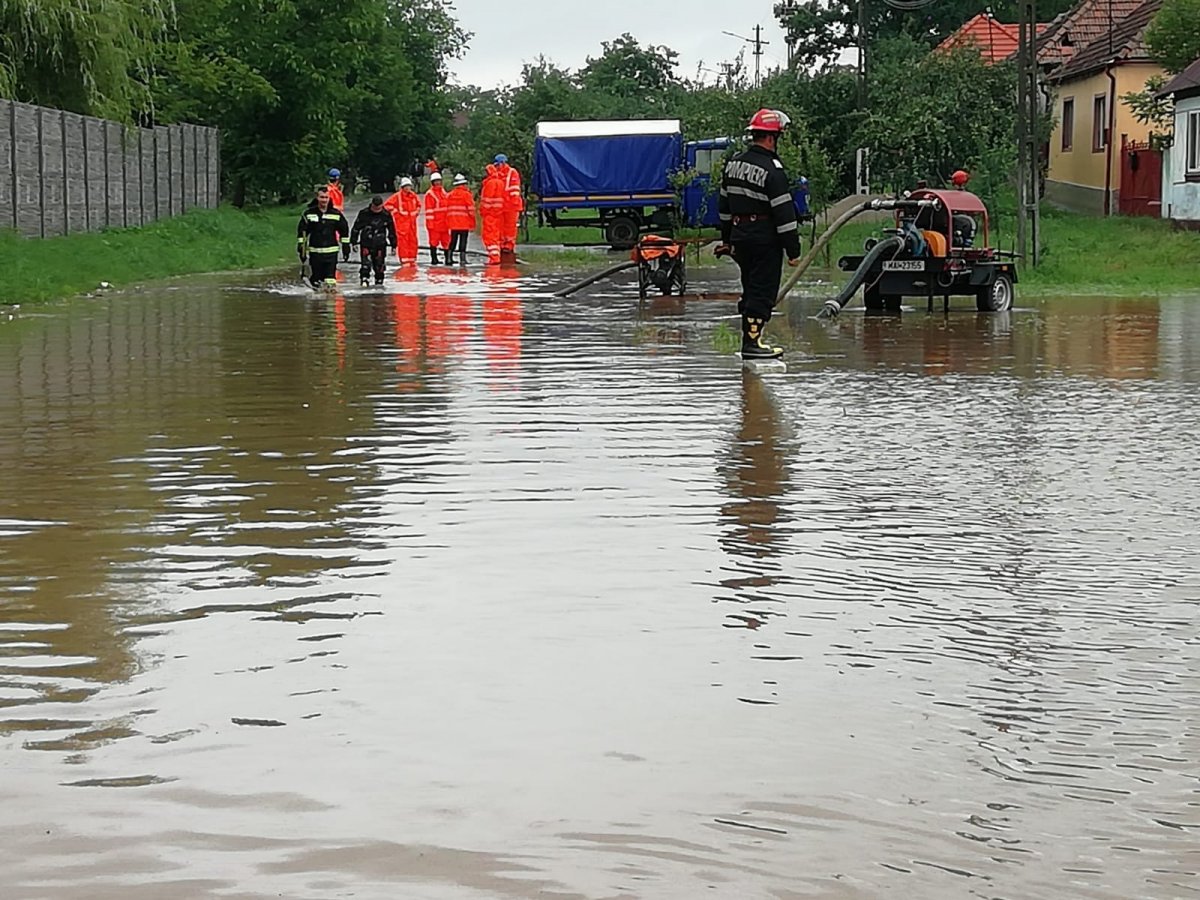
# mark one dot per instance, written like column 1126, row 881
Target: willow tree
column 88, row 56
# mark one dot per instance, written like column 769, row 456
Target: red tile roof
column 997, row 41
column 1120, row 40
column 1086, row 23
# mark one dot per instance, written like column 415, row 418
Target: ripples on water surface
column 460, row 591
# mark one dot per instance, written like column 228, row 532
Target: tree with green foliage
column 1174, row 34
column 933, row 113
column 85, row 56
column 626, row 71
column 296, row 90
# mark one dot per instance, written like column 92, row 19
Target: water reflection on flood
column 456, row 590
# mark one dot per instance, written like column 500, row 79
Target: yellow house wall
column 1080, row 165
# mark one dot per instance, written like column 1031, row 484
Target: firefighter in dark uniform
column 758, row 225
column 375, row 231
column 321, row 232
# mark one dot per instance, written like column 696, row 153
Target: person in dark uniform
column 758, row 225
column 374, row 231
column 320, row 230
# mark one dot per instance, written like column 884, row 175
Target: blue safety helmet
column 803, row 180
column 335, row 173
column 500, row 158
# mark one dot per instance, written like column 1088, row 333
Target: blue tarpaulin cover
column 576, row 158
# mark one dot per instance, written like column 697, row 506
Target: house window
column 1099, row 123
column 1193, row 143
column 1068, row 124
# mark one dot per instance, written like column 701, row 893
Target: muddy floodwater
column 455, row 590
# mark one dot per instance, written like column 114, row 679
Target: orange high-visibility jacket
column 511, row 179
column 460, row 209
column 405, row 207
column 435, row 208
column 491, row 197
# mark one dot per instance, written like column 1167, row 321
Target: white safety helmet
column 460, row 178
column 436, row 176
column 406, row 182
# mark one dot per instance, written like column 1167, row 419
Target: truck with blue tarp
column 617, row 176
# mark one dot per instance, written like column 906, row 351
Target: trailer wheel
column 621, row 232
column 997, row 297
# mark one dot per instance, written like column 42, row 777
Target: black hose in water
column 888, row 246
column 592, row 279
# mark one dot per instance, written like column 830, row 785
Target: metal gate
column 1141, row 180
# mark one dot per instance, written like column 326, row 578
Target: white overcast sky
column 507, row 35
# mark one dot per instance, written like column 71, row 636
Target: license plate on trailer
column 904, row 265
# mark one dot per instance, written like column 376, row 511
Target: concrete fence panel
column 8, row 208
column 51, row 173
column 131, row 147
column 96, row 172
column 25, row 173
column 75, row 180
column 114, row 164
column 162, row 171
column 175, row 135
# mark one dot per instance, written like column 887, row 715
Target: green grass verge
column 1086, row 254
column 211, row 240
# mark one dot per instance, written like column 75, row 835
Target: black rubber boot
column 752, row 343
column 433, row 256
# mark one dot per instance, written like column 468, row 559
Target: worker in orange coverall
column 460, row 218
column 336, row 197
column 514, row 205
column 436, row 228
column 405, row 207
column 491, row 211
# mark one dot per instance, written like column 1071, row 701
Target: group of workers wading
column 450, row 217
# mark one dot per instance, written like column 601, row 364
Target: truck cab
column 699, row 195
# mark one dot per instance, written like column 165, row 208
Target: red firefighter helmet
column 770, row 121
column 960, row 178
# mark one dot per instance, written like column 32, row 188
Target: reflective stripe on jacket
column 323, row 232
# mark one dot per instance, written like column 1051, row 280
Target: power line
column 758, row 43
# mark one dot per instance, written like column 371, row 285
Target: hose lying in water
column 592, row 279
column 889, row 246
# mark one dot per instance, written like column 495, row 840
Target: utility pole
column 862, row 55
column 1028, row 116
column 758, row 43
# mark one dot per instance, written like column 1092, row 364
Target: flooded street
column 461, row 591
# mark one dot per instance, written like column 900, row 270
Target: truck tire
column 622, row 232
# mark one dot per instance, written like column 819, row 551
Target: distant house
column 1181, row 164
column 1099, row 55
column 995, row 41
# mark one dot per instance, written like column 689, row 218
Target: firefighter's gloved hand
column 722, row 250
column 345, row 253
column 794, row 262
column 300, row 253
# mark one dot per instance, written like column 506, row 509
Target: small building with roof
column 1181, row 163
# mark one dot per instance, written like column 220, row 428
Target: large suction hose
column 828, row 233
column 889, row 246
column 818, row 246
column 592, row 279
